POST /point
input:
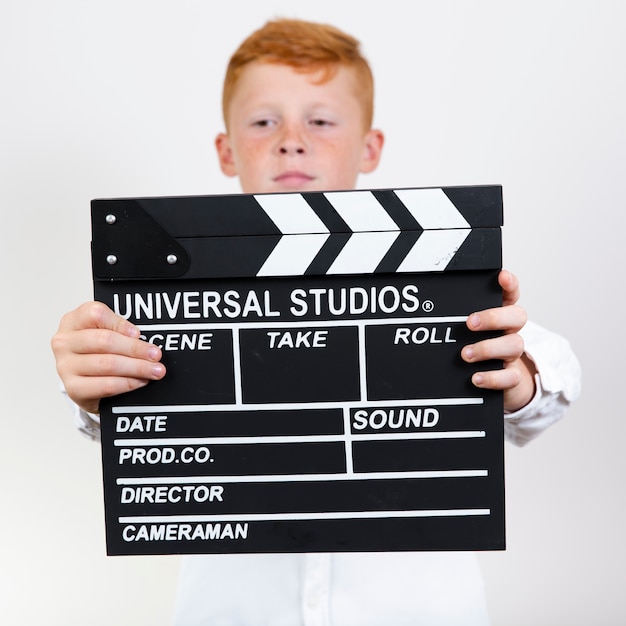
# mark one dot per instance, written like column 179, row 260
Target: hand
column 516, row 379
column 99, row 354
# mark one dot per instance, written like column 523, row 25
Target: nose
column 289, row 149
column 291, row 142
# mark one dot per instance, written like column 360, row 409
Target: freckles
column 335, row 151
column 250, row 149
column 248, row 154
column 342, row 152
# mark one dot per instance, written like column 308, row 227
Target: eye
column 320, row 121
column 264, row 123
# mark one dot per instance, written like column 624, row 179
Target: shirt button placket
column 316, row 590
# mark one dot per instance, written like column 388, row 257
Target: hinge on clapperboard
column 128, row 243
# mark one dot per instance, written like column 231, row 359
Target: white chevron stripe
column 363, row 252
column 361, row 211
column 431, row 208
column 433, row 250
column 291, row 213
column 292, row 255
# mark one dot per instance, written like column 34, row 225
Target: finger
column 87, row 378
column 506, row 378
column 506, row 348
column 507, row 318
column 510, row 288
column 87, row 391
column 115, row 366
column 99, row 341
column 92, row 377
column 97, row 315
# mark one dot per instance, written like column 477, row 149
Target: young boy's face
column 288, row 132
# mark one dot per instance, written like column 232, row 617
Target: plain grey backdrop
column 116, row 98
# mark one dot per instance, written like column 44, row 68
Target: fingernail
column 153, row 353
column 468, row 353
column 474, row 320
column 158, row 370
column 478, row 379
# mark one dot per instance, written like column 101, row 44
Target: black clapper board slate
column 315, row 398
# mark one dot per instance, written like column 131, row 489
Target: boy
column 297, row 106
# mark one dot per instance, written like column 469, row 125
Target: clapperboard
column 315, row 397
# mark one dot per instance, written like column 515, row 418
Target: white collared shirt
column 381, row 589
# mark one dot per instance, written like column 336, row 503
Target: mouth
column 293, row 179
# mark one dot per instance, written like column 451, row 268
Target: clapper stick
column 315, row 398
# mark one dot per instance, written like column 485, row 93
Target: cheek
column 346, row 160
column 248, row 152
column 249, row 158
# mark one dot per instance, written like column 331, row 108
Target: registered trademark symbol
column 428, row 305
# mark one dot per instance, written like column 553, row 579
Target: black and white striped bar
column 345, row 232
column 315, row 398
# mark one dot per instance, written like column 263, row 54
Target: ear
column 225, row 155
column 374, row 141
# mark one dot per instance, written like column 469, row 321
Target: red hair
column 307, row 47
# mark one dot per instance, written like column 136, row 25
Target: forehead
column 277, row 83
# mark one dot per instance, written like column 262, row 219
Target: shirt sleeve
column 87, row 423
column 557, row 383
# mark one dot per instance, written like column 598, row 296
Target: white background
column 116, row 98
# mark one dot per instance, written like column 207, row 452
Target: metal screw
column 111, row 259
column 110, row 219
column 172, row 259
